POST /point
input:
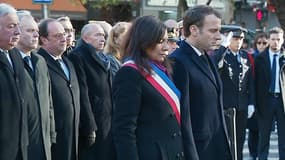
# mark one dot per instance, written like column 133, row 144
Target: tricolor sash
column 161, row 82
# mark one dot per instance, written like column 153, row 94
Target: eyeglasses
column 67, row 30
column 264, row 43
column 59, row 36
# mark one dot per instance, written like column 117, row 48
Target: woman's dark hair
column 259, row 36
column 196, row 16
column 145, row 33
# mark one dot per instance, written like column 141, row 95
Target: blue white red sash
column 160, row 81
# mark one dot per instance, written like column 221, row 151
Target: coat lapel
column 4, row 60
column 203, row 66
column 267, row 66
column 96, row 58
column 52, row 64
column 93, row 54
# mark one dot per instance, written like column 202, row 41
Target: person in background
column 172, row 26
column 260, row 44
column 173, row 33
column 94, row 74
column 70, row 33
column 269, row 102
column 113, row 45
column 238, row 87
column 65, row 89
column 172, row 42
column 13, row 89
column 147, row 118
column 105, row 25
column 197, row 77
column 41, row 122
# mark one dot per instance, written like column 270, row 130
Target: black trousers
column 275, row 110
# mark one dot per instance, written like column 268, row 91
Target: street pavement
column 273, row 150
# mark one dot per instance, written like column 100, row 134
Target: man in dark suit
column 269, row 103
column 198, row 80
column 13, row 113
column 238, row 87
column 65, row 89
column 93, row 70
column 40, row 109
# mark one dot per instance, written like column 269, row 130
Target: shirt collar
column 195, row 49
column 271, row 53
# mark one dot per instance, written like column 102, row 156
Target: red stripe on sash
column 161, row 90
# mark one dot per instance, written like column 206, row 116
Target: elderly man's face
column 29, row 34
column 96, row 37
column 9, row 31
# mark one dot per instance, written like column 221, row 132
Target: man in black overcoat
column 197, row 78
column 65, row 90
column 94, row 76
column 13, row 106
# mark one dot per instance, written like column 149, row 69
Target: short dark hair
column 144, row 33
column 196, row 16
column 43, row 28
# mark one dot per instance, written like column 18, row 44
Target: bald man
column 94, row 75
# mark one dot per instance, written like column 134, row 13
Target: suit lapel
column 267, row 66
column 16, row 60
column 4, row 60
column 203, row 66
column 52, row 64
column 96, row 58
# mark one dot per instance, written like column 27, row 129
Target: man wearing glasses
column 65, row 89
column 70, row 33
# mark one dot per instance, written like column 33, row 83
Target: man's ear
column 43, row 39
column 194, row 30
column 85, row 38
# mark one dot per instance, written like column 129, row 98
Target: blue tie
column 64, row 68
column 273, row 74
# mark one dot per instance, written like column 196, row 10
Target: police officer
column 238, row 88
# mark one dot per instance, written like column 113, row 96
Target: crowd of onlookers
column 140, row 90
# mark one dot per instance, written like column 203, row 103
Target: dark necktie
column 273, row 74
column 28, row 61
column 63, row 67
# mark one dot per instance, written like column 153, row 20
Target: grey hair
column 63, row 19
column 6, row 9
column 23, row 13
column 87, row 28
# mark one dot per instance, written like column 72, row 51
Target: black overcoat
column 95, row 93
column 203, row 95
column 66, row 103
column 13, row 108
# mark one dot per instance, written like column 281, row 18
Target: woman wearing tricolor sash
column 148, row 121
